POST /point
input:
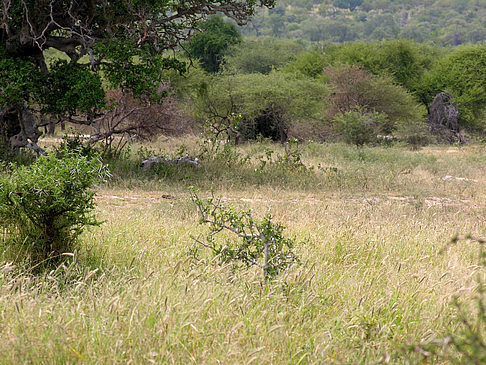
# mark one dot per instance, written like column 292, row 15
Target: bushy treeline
column 246, row 88
column 443, row 22
column 353, row 91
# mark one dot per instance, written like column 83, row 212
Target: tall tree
column 123, row 39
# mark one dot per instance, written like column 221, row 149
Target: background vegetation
column 436, row 21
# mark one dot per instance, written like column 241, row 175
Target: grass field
column 371, row 279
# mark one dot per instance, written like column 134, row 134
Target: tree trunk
column 18, row 129
column 9, row 127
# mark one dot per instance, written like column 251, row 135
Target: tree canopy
column 211, row 43
column 124, row 40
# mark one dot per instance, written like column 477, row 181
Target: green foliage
column 210, row 45
column 76, row 145
column 72, row 88
column 44, row 207
column 462, row 74
column 347, row 4
column 359, row 127
column 406, row 62
column 258, row 243
column 20, row 81
column 135, row 70
column 290, row 160
column 183, row 85
column 261, row 55
column 124, row 41
column 309, row 64
column 439, row 22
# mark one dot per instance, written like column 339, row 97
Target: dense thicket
column 210, row 44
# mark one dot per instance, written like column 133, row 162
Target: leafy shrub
column 77, row 144
column 258, row 243
column 212, row 42
column 308, row 64
column 404, row 61
column 44, row 207
column 360, row 127
column 290, row 160
column 461, row 74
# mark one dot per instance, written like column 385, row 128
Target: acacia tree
column 124, row 40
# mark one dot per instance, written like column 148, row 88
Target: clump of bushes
column 364, row 105
column 45, row 206
column 269, row 104
column 360, row 127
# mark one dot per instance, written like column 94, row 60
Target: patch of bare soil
column 433, row 152
column 133, row 199
column 155, row 198
column 457, row 178
column 432, row 201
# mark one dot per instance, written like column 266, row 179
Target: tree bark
column 20, row 129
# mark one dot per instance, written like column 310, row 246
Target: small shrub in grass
column 290, row 160
column 258, row 242
column 360, row 127
column 44, row 207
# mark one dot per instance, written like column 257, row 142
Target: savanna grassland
column 372, row 223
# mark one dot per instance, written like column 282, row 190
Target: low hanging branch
column 129, row 119
column 257, row 243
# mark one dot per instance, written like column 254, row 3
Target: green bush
column 461, row 74
column 261, row 55
column 44, row 207
column 212, row 42
column 360, row 127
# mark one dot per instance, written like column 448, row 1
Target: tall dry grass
column 371, row 278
